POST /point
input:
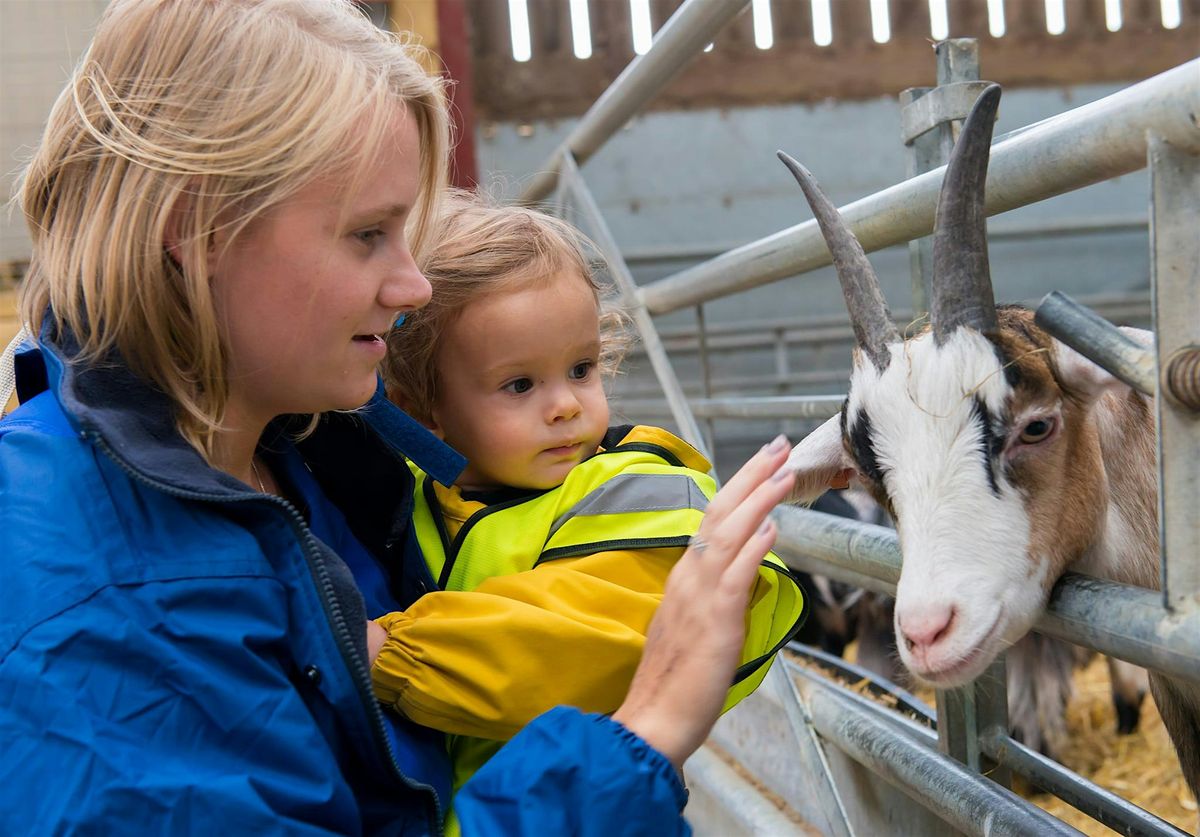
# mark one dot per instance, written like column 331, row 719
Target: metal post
column 680, row 39
column 1175, row 267
column 930, row 123
column 688, row 428
column 710, row 435
column 782, row 369
column 929, row 130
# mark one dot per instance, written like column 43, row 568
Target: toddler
column 507, row 364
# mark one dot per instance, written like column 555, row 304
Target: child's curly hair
column 479, row 248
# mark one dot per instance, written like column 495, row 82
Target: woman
column 223, row 211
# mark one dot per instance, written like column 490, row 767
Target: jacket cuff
column 656, row 763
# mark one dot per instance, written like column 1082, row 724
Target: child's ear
column 433, row 427
column 430, row 423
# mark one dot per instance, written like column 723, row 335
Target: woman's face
column 307, row 292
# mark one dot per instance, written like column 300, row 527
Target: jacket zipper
column 358, row 668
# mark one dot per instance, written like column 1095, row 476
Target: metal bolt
column 1181, row 379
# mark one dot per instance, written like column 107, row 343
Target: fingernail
column 777, row 444
column 782, row 474
column 765, row 528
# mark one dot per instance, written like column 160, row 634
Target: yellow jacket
column 560, row 586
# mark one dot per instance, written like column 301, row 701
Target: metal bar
column 930, row 121
column 1098, row 803
column 966, row 800
column 766, row 407
column 1098, row 340
column 968, row 712
column 681, row 38
column 1095, row 142
column 1093, row 800
column 604, row 240
column 1121, row 621
column 825, row 328
column 997, row 231
column 1175, row 267
column 710, row 434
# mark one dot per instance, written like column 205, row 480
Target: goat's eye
column 1036, row 431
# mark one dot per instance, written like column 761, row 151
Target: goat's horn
column 873, row 326
column 962, row 283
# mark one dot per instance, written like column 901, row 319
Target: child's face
column 519, row 385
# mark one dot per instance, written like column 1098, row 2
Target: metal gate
column 805, row 749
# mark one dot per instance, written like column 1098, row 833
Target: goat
column 1003, row 456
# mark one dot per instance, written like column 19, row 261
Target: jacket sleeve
column 485, row 663
column 571, row 773
column 164, row 707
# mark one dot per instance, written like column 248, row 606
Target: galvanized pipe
column 1098, row 340
column 1126, row 622
column 681, row 38
column 966, row 800
column 1098, row 803
column 574, row 186
column 777, row 407
column 1104, row 806
column 1175, row 275
column 1096, row 142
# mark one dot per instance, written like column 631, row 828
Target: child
column 507, row 365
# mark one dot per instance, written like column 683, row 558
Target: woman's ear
column 173, row 232
column 179, row 237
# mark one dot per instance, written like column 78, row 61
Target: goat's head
column 973, row 434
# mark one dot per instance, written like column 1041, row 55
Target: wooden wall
column 555, row 83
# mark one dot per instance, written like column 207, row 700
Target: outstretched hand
column 695, row 641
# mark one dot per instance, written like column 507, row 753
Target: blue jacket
column 181, row 654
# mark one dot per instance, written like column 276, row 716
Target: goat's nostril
column 927, row 626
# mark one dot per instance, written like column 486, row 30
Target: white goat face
column 927, row 425
column 986, row 452
column 928, row 436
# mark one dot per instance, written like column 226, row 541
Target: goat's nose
column 923, row 628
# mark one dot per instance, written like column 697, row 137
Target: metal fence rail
column 1095, row 142
column 1154, row 122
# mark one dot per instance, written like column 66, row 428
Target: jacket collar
column 106, row 403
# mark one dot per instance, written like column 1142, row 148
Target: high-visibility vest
column 634, row 495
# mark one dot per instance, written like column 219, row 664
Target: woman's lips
column 372, row 343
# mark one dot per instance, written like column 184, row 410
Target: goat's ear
column 820, row 462
column 1082, row 375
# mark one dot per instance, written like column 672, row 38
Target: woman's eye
column 368, row 236
column 581, row 370
column 519, row 386
column 1036, row 431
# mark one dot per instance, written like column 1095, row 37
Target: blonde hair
column 187, row 115
column 479, row 249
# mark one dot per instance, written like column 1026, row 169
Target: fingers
column 743, row 570
column 764, row 463
column 742, row 505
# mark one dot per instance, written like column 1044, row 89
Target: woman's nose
column 404, row 288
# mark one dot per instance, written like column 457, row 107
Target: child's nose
column 564, row 405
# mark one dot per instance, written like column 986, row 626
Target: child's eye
column 581, row 370
column 519, row 386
